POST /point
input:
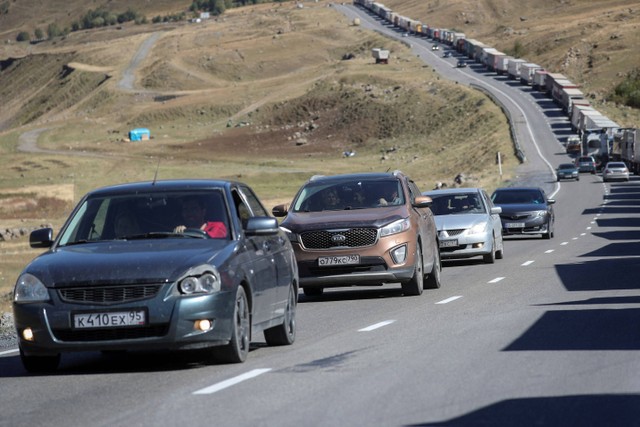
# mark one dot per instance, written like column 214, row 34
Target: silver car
column 615, row 170
column 468, row 224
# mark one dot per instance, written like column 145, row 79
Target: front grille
column 109, row 294
column 114, row 334
column 514, row 217
column 452, row 233
column 327, row 239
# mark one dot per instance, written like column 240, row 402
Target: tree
column 53, row 30
column 38, row 33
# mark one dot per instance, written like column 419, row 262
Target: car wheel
column 39, row 364
column 490, row 258
column 284, row 334
column 312, row 292
column 433, row 279
column 416, row 284
column 238, row 348
column 500, row 252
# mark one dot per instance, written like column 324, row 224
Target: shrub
column 628, row 91
column 23, row 36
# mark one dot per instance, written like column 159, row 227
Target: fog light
column 399, row 254
column 203, row 325
column 27, row 334
column 478, row 245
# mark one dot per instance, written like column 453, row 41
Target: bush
column 23, row 36
column 628, row 91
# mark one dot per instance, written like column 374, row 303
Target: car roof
column 457, row 190
column 518, row 189
column 567, row 165
column 163, row 185
column 354, row 176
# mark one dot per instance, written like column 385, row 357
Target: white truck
column 527, row 71
column 514, row 68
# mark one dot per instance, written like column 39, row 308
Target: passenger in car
column 330, row 199
column 194, row 214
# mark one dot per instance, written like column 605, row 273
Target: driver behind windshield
column 194, row 214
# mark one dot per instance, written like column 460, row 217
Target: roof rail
column 314, row 177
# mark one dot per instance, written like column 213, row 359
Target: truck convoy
column 596, row 134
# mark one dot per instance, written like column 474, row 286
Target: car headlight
column 30, row 289
column 481, row 227
column 207, row 283
column 395, row 227
column 293, row 237
column 540, row 214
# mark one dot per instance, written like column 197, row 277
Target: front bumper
column 532, row 226
column 170, row 324
column 467, row 246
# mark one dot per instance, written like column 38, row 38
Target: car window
column 514, row 197
column 357, row 194
column 144, row 214
column 253, row 201
column 459, row 203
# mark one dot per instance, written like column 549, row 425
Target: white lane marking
column 588, row 228
column 496, row 280
column 448, row 300
column 574, row 238
column 376, row 326
column 15, row 350
column 564, row 243
column 524, row 264
column 549, row 251
column 232, row 381
column 583, row 234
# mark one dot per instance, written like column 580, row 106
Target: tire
column 490, row 258
column 433, row 279
column 312, row 292
column 416, row 284
column 39, row 364
column 238, row 347
column 500, row 252
column 285, row 334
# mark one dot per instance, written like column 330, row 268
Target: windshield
column 152, row 215
column 357, row 194
column 517, row 196
column 447, row 204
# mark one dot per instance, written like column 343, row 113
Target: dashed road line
column 231, row 382
column 376, row 326
column 526, row 263
column 496, row 280
column 448, row 300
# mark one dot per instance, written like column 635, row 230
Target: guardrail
column 514, row 136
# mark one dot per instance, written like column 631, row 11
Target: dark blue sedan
column 525, row 210
column 184, row 264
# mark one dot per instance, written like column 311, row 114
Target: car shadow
column 350, row 294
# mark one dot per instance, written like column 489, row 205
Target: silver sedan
column 468, row 224
column 615, row 170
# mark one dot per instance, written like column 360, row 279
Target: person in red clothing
column 193, row 213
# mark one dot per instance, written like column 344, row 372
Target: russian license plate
column 110, row 319
column 448, row 243
column 515, row 225
column 338, row 260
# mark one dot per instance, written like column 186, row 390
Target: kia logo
column 338, row 238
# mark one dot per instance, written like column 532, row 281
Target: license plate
column 338, row 260
column 515, row 225
column 448, row 243
column 110, row 319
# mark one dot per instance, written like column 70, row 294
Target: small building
column 139, row 134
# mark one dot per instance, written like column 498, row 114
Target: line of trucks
column 594, row 133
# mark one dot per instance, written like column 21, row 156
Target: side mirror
column 551, row 201
column 496, row 210
column 41, row 238
column 422, row 202
column 261, row 226
column 280, row 211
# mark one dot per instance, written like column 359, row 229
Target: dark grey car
column 525, row 210
column 150, row 282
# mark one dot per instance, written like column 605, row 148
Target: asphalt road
column 548, row 335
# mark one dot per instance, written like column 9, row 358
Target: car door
column 496, row 222
column 275, row 283
column 427, row 227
